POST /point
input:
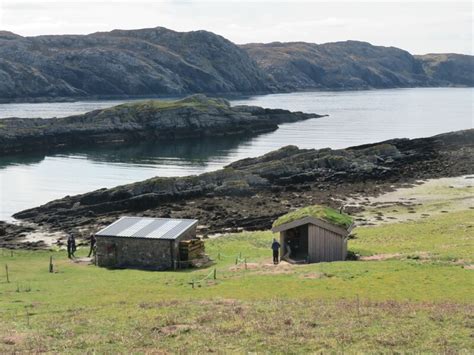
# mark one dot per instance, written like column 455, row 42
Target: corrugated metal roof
column 142, row 227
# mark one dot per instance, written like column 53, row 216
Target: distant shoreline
column 228, row 96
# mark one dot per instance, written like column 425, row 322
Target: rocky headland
column 194, row 116
column 352, row 65
column 251, row 193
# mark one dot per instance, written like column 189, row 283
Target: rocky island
column 251, row 193
column 194, row 116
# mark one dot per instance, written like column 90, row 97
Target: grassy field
column 417, row 297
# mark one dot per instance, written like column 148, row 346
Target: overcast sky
column 417, row 26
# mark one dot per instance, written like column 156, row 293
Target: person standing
column 276, row 250
column 71, row 246
column 93, row 241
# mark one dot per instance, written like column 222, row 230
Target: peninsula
column 194, row 116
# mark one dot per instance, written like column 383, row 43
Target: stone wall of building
column 117, row 252
column 156, row 254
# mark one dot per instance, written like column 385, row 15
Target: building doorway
column 295, row 245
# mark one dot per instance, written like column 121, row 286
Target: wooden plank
column 329, row 244
column 316, row 242
column 311, row 242
column 333, row 247
column 321, row 244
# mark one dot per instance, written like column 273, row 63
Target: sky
column 417, row 26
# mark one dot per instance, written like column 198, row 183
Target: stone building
column 145, row 243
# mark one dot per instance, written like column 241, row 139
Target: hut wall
column 325, row 245
column 156, row 254
column 282, row 243
column 116, row 252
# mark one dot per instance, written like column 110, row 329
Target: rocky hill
column 158, row 61
column 194, row 116
column 449, row 69
column 124, row 63
column 252, row 193
column 357, row 65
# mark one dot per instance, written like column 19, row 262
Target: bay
column 355, row 117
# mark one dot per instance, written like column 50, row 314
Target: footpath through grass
column 420, row 300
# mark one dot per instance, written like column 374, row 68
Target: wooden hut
column 146, row 243
column 313, row 234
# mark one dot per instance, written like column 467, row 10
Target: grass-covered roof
column 327, row 214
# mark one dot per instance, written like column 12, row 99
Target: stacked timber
column 191, row 249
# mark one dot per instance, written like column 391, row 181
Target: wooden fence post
column 215, row 274
column 6, row 272
column 358, row 307
column 51, row 268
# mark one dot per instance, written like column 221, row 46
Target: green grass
column 400, row 305
column 326, row 213
column 194, row 101
column 446, row 236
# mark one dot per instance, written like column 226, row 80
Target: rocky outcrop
column 251, row 193
column 13, row 237
column 195, row 116
column 449, row 69
column 356, row 65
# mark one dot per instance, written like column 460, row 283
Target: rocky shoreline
column 249, row 194
column 194, row 116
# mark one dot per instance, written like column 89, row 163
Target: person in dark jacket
column 71, row 246
column 276, row 250
column 93, row 241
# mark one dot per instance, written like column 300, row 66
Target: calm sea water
column 354, row 118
